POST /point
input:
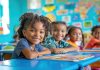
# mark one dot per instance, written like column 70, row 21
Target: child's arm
column 63, row 50
column 96, row 45
column 45, row 51
column 34, row 54
column 29, row 54
column 71, row 49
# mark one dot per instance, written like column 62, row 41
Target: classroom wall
column 82, row 13
column 16, row 8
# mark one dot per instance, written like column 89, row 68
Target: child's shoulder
column 23, row 41
column 64, row 42
column 50, row 39
column 94, row 40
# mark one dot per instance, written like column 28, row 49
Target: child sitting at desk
column 75, row 36
column 94, row 43
column 95, row 40
column 32, row 31
column 55, row 42
column 76, row 39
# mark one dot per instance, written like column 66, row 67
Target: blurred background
column 81, row 13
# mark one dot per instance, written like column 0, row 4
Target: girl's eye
column 74, row 33
column 63, row 31
column 42, row 32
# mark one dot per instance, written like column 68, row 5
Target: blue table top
column 43, row 64
column 14, row 68
column 87, row 61
column 38, row 64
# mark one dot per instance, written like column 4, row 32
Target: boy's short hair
column 94, row 28
column 58, row 22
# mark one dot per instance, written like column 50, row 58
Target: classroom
column 50, row 34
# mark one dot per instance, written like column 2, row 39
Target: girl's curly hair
column 29, row 18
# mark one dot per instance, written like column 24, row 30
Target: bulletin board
column 82, row 13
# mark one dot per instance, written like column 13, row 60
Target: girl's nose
column 37, row 34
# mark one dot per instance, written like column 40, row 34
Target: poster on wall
column 67, row 19
column 76, row 17
column 49, row 1
column 4, row 25
column 78, row 24
column 62, row 12
column 34, row 4
column 49, row 7
column 61, row 1
column 70, row 5
column 87, row 24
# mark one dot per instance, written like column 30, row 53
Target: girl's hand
column 39, row 54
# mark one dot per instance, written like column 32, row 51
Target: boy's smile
column 59, row 32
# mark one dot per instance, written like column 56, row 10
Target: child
column 76, row 39
column 94, row 43
column 55, row 42
column 75, row 36
column 31, row 32
column 95, row 40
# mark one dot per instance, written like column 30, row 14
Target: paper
column 68, row 57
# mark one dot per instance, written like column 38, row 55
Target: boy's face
column 76, row 35
column 96, row 33
column 35, row 34
column 59, row 31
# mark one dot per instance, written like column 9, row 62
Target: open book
column 67, row 57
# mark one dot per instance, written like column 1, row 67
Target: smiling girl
column 31, row 32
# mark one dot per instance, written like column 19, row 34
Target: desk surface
column 90, row 60
column 43, row 64
column 14, row 68
column 38, row 64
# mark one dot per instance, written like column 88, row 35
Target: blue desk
column 86, row 62
column 14, row 68
column 40, row 64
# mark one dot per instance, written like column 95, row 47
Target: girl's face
column 34, row 34
column 76, row 35
column 59, row 31
column 96, row 33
